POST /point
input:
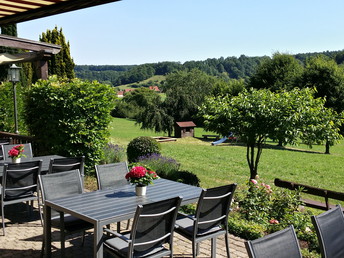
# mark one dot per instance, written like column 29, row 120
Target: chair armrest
column 117, row 234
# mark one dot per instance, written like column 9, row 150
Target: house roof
column 186, row 124
column 15, row 11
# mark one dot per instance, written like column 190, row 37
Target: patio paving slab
column 24, row 239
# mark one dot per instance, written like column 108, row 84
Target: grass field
column 226, row 163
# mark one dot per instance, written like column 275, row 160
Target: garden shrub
column 70, row 118
column 185, row 177
column 244, row 228
column 164, row 166
column 141, row 146
column 169, row 168
column 113, row 153
column 273, row 210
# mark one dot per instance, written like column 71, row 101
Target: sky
column 132, row 32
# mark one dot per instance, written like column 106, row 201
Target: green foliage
column 243, row 228
column 275, row 209
column 62, row 63
column 185, row 91
column 281, row 72
column 232, row 87
column 141, row 146
column 327, row 77
column 113, row 153
column 163, row 166
column 256, row 115
column 7, row 107
column 70, row 118
column 136, row 102
column 184, row 176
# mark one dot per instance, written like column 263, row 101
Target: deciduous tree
column 256, row 115
column 280, row 72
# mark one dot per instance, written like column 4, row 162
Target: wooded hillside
column 230, row 67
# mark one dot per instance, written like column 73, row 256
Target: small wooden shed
column 184, row 129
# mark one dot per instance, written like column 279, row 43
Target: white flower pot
column 141, row 190
column 16, row 160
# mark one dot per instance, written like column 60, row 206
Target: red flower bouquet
column 141, row 176
column 17, row 152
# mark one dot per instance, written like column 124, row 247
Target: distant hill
column 230, row 67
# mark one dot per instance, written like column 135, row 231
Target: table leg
column 98, row 241
column 47, row 231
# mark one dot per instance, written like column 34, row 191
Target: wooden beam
column 14, row 42
column 49, row 9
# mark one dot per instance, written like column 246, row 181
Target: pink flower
column 253, row 181
column 268, row 187
column 136, row 172
column 273, row 221
column 13, row 152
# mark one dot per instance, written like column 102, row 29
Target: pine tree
column 61, row 64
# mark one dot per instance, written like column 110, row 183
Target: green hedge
column 70, row 118
column 7, row 107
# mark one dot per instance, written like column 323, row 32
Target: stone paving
column 24, row 239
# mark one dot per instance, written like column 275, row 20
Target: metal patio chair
column 6, row 147
column 111, row 176
column 58, row 165
column 281, row 244
column 3, row 142
column 151, row 234
column 330, row 231
column 19, row 184
column 58, row 185
column 210, row 220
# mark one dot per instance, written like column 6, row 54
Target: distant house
column 120, row 94
column 155, row 88
column 127, row 90
column 184, row 129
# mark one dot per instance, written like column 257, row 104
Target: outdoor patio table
column 45, row 162
column 103, row 207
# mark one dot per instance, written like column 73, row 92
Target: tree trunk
column 280, row 143
column 327, row 151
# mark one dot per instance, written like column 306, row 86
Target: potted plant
column 141, row 176
column 16, row 153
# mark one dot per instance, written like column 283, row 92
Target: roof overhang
column 15, row 11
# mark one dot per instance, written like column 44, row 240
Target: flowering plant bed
column 141, row 175
column 17, row 152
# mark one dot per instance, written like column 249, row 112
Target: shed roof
column 186, row 124
column 14, row 11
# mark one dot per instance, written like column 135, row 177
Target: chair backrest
column 153, row 226
column 65, row 164
column 60, row 185
column 330, row 231
column 281, row 244
column 213, row 208
column 27, row 150
column 3, row 142
column 111, row 175
column 19, row 180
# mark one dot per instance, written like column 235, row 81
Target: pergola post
column 41, row 68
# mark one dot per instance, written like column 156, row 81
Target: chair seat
column 120, row 247
column 20, row 194
column 71, row 223
column 184, row 226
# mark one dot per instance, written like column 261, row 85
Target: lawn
column 226, row 163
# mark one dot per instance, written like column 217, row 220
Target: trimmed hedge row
column 70, row 118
